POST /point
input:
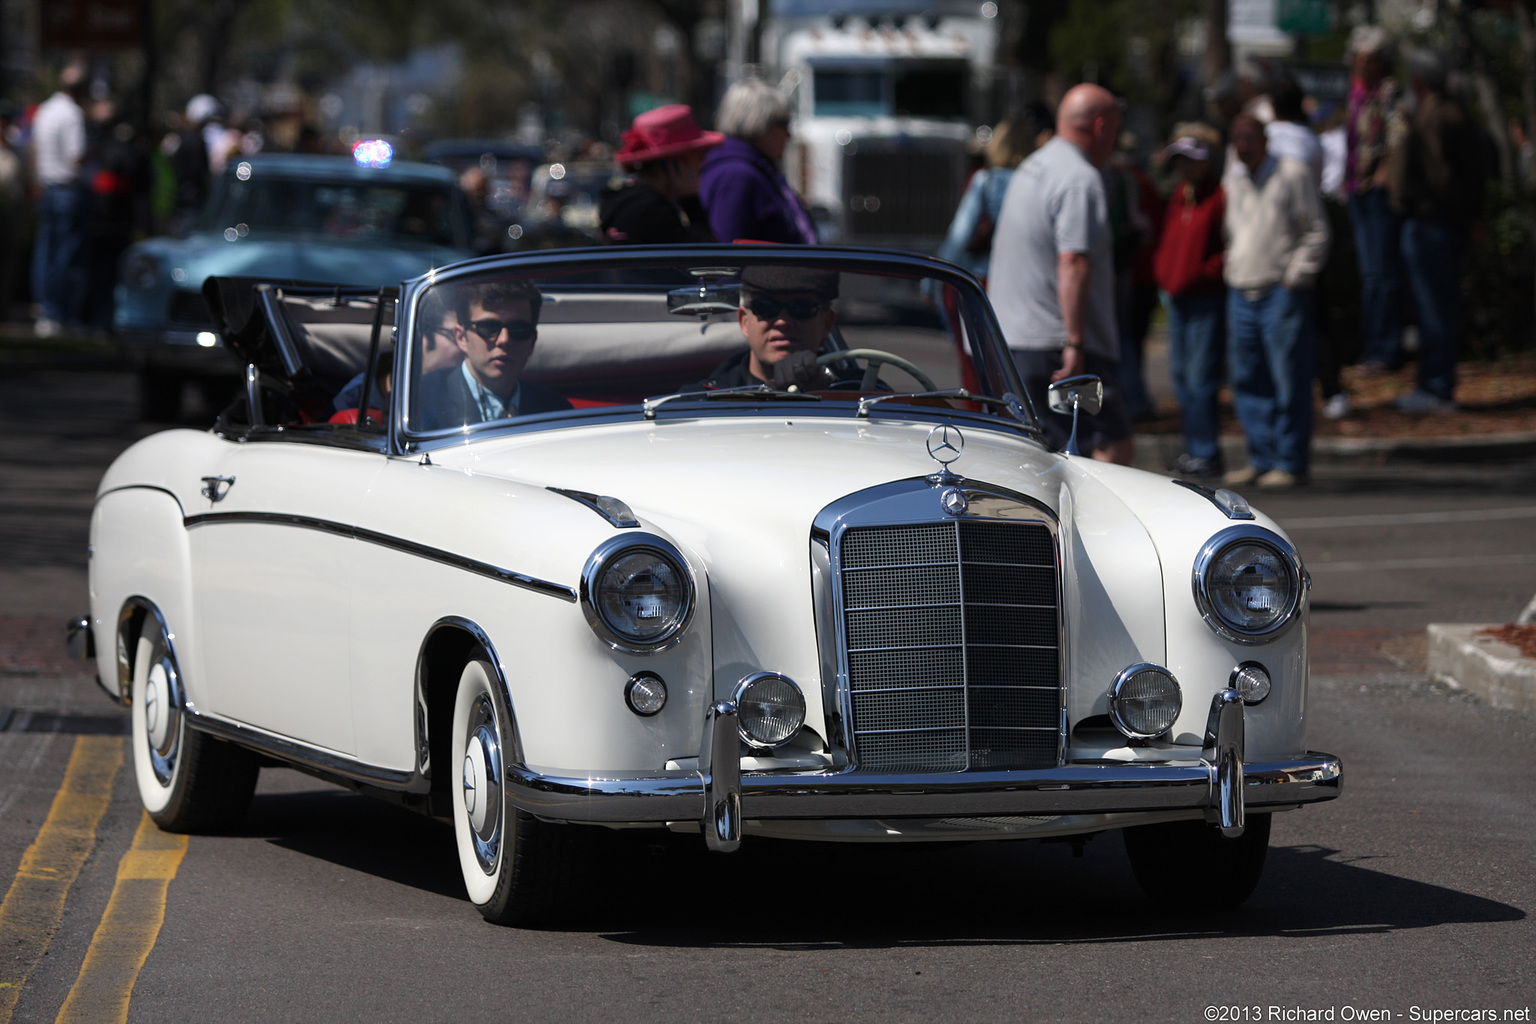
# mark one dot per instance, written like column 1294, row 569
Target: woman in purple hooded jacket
column 742, row 189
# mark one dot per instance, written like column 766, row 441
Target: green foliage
column 1128, row 46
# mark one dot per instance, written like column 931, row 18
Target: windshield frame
column 972, row 306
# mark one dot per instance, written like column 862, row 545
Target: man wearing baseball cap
column 663, row 150
column 1188, row 265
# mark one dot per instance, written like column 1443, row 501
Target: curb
column 1157, row 452
column 1490, row 668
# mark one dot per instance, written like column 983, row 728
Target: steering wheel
column 876, row 358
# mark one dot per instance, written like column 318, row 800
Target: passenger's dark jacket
column 445, row 400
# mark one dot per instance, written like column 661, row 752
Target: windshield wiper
column 1009, row 401
column 750, row 391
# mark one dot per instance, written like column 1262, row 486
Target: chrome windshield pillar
column 1224, row 753
column 720, row 766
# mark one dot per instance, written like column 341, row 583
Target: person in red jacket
column 1188, row 265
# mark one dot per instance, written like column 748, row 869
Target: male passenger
column 785, row 314
column 439, row 346
column 496, row 332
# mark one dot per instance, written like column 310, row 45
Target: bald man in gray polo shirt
column 1052, row 277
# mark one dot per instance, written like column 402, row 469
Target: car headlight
column 636, row 593
column 141, row 270
column 770, row 709
column 1145, row 701
column 1248, row 584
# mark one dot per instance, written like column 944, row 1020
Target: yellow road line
column 34, row 904
column 128, row 929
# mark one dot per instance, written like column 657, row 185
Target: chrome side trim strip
column 408, row 547
column 1073, row 788
column 321, row 761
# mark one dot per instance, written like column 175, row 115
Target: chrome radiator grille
column 952, row 645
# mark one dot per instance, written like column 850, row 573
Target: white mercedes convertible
column 731, row 540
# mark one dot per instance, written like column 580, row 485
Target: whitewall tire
column 188, row 782
column 514, row 865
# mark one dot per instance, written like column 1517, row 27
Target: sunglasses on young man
column 797, row 309
column 517, row 330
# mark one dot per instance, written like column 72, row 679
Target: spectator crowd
column 1235, row 228
column 1259, row 205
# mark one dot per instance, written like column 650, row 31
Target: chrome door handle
column 216, row 488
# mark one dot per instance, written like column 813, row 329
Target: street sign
column 1304, row 17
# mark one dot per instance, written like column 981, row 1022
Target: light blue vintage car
column 360, row 220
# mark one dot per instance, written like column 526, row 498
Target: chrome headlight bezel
column 740, row 698
column 1203, row 579
column 592, row 602
column 1118, row 711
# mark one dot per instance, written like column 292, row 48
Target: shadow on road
column 666, row 890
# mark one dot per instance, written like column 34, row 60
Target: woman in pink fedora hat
column 659, row 203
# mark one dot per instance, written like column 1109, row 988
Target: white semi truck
column 888, row 98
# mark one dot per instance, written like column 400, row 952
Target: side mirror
column 1073, row 395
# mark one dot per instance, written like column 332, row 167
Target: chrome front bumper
column 720, row 796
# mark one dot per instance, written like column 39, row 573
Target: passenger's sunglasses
column 490, row 330
column 798, row 309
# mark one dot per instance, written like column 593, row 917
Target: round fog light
column 645, row 694
column 1145, row 701
column 771, row 709
column 1252, row 681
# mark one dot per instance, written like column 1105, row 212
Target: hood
column 753, row 475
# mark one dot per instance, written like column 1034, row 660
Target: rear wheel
column 188, row 781
column 1191, row 864
column 514, row 866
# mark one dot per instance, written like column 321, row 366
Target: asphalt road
column 1411, row 894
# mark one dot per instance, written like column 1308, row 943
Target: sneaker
column 1337, row 407
column 1279, row 480
column 45, row 328
column 1239, row 477
column 1204, row 469
column 1422, row 403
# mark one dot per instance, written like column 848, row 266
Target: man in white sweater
column 1277, row 239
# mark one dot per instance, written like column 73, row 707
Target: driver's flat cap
column 780, row 278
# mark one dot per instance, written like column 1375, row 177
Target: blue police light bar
column 372, row 153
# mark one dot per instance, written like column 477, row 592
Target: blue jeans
column 1197, row 333
column 1377, row 233
column 1270, row 356
column 58, row 263
column 1432, row 248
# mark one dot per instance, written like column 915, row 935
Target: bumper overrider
column 721, row 796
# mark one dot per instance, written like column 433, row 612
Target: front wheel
column 1191, row 864
column 514, row 866
column 188, row 781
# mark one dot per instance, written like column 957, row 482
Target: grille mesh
column 952, row 645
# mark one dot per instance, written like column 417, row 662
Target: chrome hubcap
column 481, row 780
column 162, row 712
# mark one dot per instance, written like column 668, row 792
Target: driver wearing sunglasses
column 785, row 314
column 496, row 331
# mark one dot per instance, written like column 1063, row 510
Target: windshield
column 352, row 211
column 929, row 89
column 723, row 331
